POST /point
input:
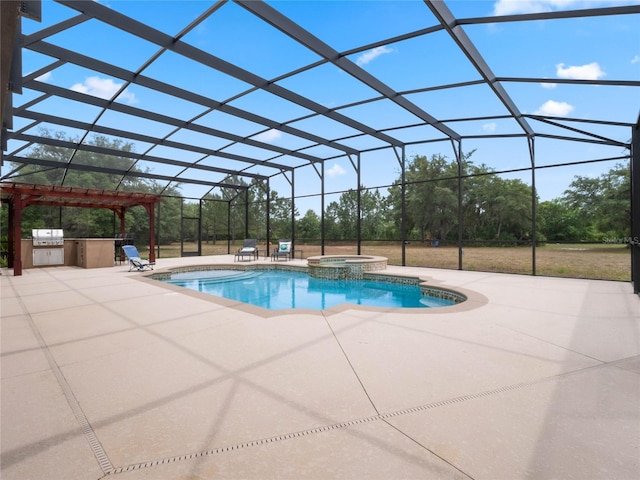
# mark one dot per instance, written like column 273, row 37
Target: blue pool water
column 276, row 289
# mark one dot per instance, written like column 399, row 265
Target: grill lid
column 47, row 236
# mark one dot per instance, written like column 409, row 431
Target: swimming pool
column 277, row 290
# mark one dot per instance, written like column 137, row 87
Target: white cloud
column 335, row 171
column 269, row 136
column 372, row 54
column 489, row 127
column 590, row 71
column 635, row 59
column 45, row 77
column 549, row 86
column 104, row 88
column 512, row 7
column 554, row 109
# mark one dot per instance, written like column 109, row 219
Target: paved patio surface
column 106, row 376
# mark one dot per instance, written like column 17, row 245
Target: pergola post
column 15, row 232
column 10, row 241
column 121, row 212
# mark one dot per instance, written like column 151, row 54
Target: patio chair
column 283, row 250
column 249, row 249
column 135, row 262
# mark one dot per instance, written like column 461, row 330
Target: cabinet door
column 48, row 256
column 56, row 256
column 40, row 256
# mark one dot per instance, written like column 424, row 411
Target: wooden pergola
column 18, row 196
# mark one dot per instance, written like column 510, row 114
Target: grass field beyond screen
column 594, row 261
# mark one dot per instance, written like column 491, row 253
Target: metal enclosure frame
column 211, row 165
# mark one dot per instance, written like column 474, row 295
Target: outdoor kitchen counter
column 80, row 252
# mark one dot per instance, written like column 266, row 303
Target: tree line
column 439, row 196
column 490, row 208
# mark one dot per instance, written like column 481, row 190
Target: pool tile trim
column 468, row 299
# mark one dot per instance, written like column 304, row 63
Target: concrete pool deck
column 105, row 376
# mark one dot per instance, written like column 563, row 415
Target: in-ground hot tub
column 344, row 267
column 362, row 267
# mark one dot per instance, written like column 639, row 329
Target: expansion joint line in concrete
column 364, row 389
column 87, row 430
column 401, row 432
column 563, row 347
column 384, row 417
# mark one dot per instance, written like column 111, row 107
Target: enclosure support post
column 457, row 147
column 403, row 211
column 635, row 207
column 293, row 209
column 181, row 227
column 268, row 212
column 246, row 213
column 157, row 234
column 152, row 231
column 359, row 208
column 322, row 237
column 534, row 204
column 200, row 227
column 228, row 227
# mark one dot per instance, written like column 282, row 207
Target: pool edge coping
column 473, row 300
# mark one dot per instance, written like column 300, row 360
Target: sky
column 591, row 48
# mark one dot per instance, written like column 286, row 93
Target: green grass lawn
column 594, row 261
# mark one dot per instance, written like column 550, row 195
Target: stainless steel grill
column 47, row 237
column 48, row 246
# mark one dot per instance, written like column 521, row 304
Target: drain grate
column 240, row 446
column 326, row 428
column 87, row 430
column 463, row 398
